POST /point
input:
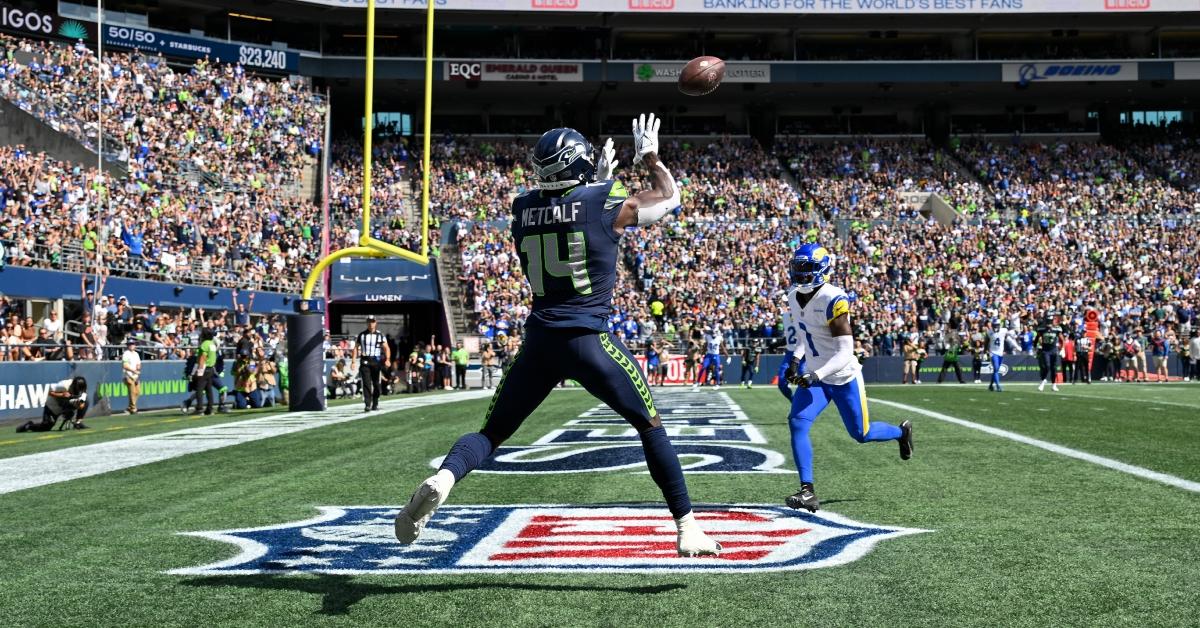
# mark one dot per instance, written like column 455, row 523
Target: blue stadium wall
column 888, row 369
column 23, row 386
column 34, row 283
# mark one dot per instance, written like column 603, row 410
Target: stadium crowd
column 1047, row 230
column 211, row 161
column 392, row 195
column 212, row 156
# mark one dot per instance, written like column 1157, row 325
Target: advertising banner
column 1187, row 70
column 26, row 385
column 1068, row 71
column 183, row 46
column 384, row 281
column 819, row 7
column 496, row 70
column 668, row 72
column 41, row 23
column 877, row 370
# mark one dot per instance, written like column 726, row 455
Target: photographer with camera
column 66, row 400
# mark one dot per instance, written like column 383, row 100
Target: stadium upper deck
column 679, row 29
column 774, row 30
column 836, row 67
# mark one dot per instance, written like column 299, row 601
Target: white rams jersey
column 998, row 339
column 712, row 344
column 807, row 329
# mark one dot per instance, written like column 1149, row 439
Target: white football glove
column 645, row 135
column 607, row 164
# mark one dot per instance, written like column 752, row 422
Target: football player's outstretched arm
column 648, row 206
column 843, row 336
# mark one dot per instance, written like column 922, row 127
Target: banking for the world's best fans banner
column 827, row 7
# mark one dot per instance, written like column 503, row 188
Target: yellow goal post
column 369, row 246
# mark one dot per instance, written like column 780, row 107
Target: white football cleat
column 695, row 387
column 692, row 541
column 1054, row 387
column 1042, row 386
column 421, row 506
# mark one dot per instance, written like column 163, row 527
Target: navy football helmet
column 563, row 158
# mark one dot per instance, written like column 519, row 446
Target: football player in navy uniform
column 567, row 233
column 821, row 363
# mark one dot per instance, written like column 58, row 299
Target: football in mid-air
column 701, row 76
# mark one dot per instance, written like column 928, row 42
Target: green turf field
column 1018, row 535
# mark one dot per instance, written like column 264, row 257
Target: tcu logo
column 464, row 70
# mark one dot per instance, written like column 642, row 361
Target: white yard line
column 1084, row 391
column 1109, row 463
column 1156, row 402
column 62, row 465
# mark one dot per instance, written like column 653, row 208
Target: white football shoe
column 692, row 541
column 695, row 387
column 421, row 506
column 1054, row 387
column 1042, row 386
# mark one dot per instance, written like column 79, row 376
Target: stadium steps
column 310, row 179
column 454, row 293
column 963, row 168
column 19, row 127
column 452, row 303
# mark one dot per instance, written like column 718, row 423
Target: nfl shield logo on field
column 548, row 539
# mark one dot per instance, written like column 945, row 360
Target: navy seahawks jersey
column 568, row 253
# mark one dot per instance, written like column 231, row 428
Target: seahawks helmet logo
column 562, row 158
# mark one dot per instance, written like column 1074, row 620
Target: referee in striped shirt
column 372, row 353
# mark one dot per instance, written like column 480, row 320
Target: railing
column 83, row 132
column 27, row 98
column 80, row 352
column 74, row 258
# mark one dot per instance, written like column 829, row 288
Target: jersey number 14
column 542, row 251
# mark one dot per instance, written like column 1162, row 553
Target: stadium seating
column 1057, row 227
column 213, row 162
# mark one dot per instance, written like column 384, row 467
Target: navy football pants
column 607, row 370
column 598, row 361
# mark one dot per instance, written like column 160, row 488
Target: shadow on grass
column 338, row 593
column 825, row 502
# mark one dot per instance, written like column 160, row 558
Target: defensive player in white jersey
column 998, row 339
column 714, row 347
column 821, row 363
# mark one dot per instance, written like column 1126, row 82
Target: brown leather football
column 701, row 76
